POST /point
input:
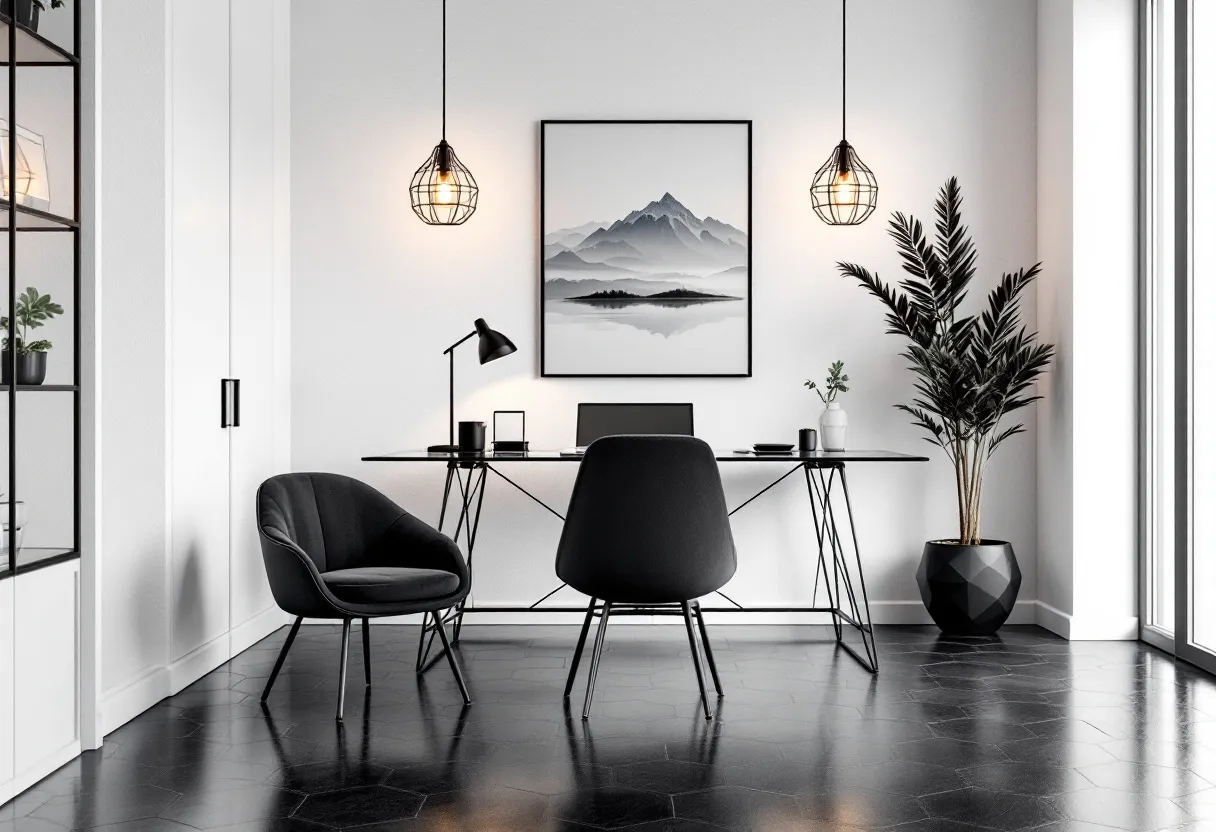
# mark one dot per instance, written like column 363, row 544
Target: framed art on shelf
column 645, row 248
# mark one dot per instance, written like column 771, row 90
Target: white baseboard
column 118, row 707
column 24, row 779
column 257, row 628
column 1075, row 628
column 884, row 612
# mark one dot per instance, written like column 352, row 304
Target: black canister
column 808, row 440
column 471, row 437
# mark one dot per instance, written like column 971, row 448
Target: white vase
column 833, row 423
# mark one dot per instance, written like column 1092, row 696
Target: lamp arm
column 461, row 341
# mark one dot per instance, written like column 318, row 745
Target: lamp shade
column 844, row 191
column 443, row 191
column 491, row 344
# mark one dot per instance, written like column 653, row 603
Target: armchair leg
column 278, row 665
column 578, row 649
column 595, row 658
column 447, row 649
column 696, row 659
column 709, row 651
column 342, row 668
column 367, row 656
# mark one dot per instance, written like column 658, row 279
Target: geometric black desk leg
column 471, row 488
column 859, row 619
column 821, row 566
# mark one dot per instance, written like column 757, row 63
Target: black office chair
column 337, row 548
column 647, row 531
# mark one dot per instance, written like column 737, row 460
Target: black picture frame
column 544, row 124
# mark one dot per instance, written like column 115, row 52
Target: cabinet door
column 45, row 661
column 7, row 678
column 259, row 170
column 198, row 326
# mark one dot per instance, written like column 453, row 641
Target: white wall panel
column 198, row 216
column 256, row 249
column 133, row 546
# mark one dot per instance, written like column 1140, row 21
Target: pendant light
column 443, row 191
column 844, row 191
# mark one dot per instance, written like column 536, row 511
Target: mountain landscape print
column 660, row 286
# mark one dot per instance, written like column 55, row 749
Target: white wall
column 1088, row 223
column 135, row 616
column 937, row 89
column 181, row 594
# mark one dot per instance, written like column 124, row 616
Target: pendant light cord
column 844, row 72
column 444, row 82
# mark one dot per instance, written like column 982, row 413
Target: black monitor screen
column 596, row 420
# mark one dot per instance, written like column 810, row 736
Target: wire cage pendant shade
column 844, row 190
column 443, row 191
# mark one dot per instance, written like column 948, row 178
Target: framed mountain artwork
column 646, row 248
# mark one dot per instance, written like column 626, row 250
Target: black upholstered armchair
column 336, row 548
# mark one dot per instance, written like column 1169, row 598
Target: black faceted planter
column 969, row 590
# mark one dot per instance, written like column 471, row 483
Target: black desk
column 822, row 470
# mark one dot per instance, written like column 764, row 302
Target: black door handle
column 230, row 403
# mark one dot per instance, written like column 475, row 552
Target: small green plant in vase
column 833, row 422
column 33, row 311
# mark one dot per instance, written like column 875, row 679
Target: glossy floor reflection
column 1026, row 731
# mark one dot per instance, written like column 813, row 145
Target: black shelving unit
column 22, row 48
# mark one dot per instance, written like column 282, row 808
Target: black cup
column 808, row 440
column 471, row 437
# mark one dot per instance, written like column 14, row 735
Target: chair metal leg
column 278, row 665
column 447, row 649
column 367, row 654
column 709, row 652
column 595, row 657
column 696, row 658
column 342, row 667
column 578, row 649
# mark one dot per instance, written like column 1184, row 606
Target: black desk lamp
column 490, row 345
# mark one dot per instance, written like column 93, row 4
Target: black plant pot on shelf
column 969, row 590
column 31, row 367
column 27, row 12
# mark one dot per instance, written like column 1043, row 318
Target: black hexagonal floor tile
column 359, row 806
column 668, row 776
column 113, row 804
column 995, row 810
column 898, row 777
column 611, row 807
column 1122, row 810
column 314, row 778
column 856, row 808
column 1028, row 778
column 247, row 804
column 736, row 808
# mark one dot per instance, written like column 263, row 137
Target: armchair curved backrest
column 312, row 523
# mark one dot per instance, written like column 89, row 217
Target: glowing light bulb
column 442, row 191
column 844, row 189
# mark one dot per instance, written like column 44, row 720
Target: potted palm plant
column 33, row 310
column 972, row 370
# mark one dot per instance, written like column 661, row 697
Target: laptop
column 598, row 419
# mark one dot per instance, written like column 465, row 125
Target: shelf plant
column 972, row 371
column 33, row 311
